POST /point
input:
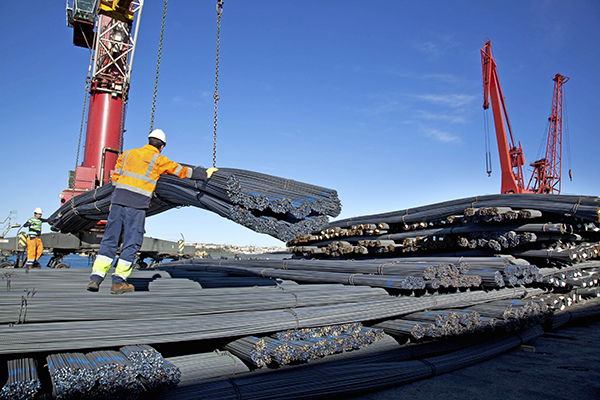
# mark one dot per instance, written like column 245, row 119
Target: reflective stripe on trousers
column 130, row 222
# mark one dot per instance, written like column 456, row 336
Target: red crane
column 113, row 46
column 547, row 171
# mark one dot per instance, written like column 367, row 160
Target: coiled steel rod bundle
column 23, row 380
column 282, row 208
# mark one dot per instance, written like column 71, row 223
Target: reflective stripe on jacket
column 35, row 226
column 138, row 170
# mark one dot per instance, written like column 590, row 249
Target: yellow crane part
column 116, row 9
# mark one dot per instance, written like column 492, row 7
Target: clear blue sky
column 378, row 100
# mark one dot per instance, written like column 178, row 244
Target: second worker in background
column 135, row 176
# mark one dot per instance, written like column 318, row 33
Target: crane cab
column 81, row 16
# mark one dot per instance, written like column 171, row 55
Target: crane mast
column 113, row 45
column 511, row 156
column 547, row 172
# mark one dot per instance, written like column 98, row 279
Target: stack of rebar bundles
column 109, row 374
column 506, row 315
column 23, row 380
column 561, row 228
column 401, row 273
column 282, row 208
column 303, row 345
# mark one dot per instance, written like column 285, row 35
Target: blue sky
column 378, row 100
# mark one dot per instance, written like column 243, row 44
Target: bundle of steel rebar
column 147, row 329
column 528, row 226
column 515, row 315
column 404, row 273
column 23, row 380
column 72, row 375
column 393, row 273
column 282, row 208
column 584, row 207
column 116, row 376
column 155, row 373
column 434, row 324
column 302, row 345
column 589, row 308
column 326, row 381
column 200, row 367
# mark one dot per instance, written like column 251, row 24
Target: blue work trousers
column 130, row 222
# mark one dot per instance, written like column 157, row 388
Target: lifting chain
column 216, row 95
column 162, row 34
column 88, row 82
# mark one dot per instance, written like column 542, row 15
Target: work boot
column 120, row 288
column 93, row 286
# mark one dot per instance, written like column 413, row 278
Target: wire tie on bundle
column 476, row 200
column 96, row 207
column 297, row 300
column 435, row 303
column 432, row 366
column 351, row 278
column 285, row 263
column 73, row 206
column 238, row 393
column 404, row 216
column 381, row 266
column 262, row 272
column 578, row 203
column 227, row 353
column 295, row 315
column 410, row 349
column 22, row 310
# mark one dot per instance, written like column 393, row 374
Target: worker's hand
column 201, row 173
column 211, row 171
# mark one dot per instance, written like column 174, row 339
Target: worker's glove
column 211, row 171
column 201, row 173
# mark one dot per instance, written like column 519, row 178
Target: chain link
column 216, row 95
column 162, row 33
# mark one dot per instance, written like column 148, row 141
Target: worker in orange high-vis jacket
column 134, row 178
column 35, row 247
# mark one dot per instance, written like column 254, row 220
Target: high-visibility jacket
column 35, row 226
column 136, row 173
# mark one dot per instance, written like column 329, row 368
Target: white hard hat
column 158, row 134
column 38, row 211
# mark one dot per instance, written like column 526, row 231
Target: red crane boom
column 547, row 172
column 511, row 158
column 546, row 177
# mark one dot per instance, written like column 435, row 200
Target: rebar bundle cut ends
column 279, row 207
